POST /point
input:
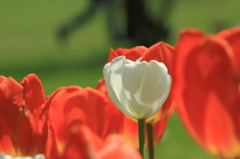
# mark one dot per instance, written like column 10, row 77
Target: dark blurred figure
column 80, row 19
column 140, row 27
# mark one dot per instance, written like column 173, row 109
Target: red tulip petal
column 33, row 93
column 101, row 86
column 188, row 39
column 116, row 53
column 10, row 115
column 58, row 134
column 117, row 115
column 2, row 78
column 129, row 131
column 121, row 51
column 135, row 53
column 202, row 69
column 89, row 106
column 159, row 129
column 33, row 132
column 160, row 52
column 225, row 143
column 116, row 147
column 232, row 36
column 83, row 144
column 131, row 54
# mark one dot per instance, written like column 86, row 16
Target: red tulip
column 77, row 106
column 23, row 116
column 84, row 144
column 79, row 122
column 206, row 90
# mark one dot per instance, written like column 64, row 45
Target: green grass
column 28, row 45
column 177, row 144
column 208, row 15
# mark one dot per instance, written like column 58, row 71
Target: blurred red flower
column 79, row 122
column 206, row 89
column 160, row 52
column 23, row 116
column 84, row 144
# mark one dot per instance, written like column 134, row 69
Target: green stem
column 141, row 124
column 150, row 141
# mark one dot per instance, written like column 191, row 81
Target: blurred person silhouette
column 138, row 24
column 78, row 20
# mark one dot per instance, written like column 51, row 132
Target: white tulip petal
column 157, row 85
column 165, row 95
column 133, row 75
column 146, row 86
column 113, row 76
column 138, row 88
column 138, row 60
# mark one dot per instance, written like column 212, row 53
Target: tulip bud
column 138, row 88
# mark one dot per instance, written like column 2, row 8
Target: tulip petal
column 10, row 115
column 164, row 53
column 72, row 110
column 224, row 143
column 33, row 92
column 232, row 36
column 157, row 85
column 58, row 135
column 93, row 106
column 33, row 132
column 132, row 78
column 113, row 75
column 146, row 86
column 136, row 52
column 207, row 94
column 159, row 129
column 82, row 144
column 23, row 125
column 131, row 54
column 116, row 147
column 160, row 52
column 2, row 78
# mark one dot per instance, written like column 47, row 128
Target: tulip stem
column 141, row 124
column 150, row 141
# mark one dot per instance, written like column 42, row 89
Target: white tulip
column 138, row 88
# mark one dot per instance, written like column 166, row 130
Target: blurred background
column 67, row 42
